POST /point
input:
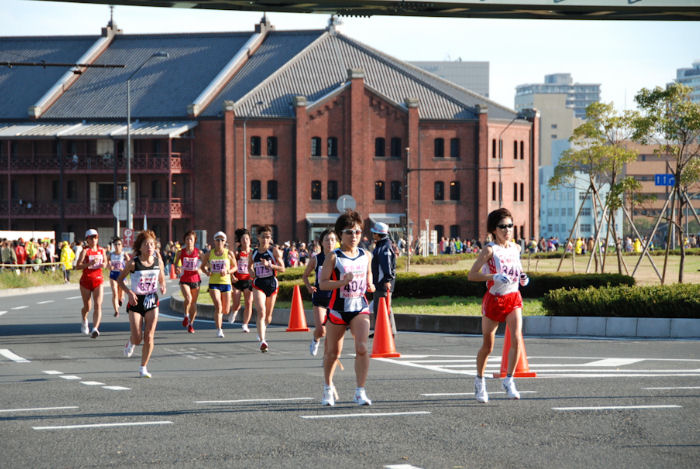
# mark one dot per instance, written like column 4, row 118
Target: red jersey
column 242, row 272
column 190, row 266
column 94, row 257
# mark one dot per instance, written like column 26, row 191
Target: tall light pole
column 245, row 165
column 129, row 215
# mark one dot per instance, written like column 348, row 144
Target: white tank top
column 505, row 260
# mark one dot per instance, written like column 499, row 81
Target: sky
column 622, row 56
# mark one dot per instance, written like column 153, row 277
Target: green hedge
column 676, row 301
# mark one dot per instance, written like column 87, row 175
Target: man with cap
column 383, row 269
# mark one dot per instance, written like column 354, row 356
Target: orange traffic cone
column 522, row 369
column 383, row 344
column 172, row 272
column 297, row 318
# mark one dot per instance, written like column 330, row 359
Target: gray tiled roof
column 163, row 88
column 22, row 87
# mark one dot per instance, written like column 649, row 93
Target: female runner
column 217, row 264
column 243, row 283
column 319, row 298
column 190, row 258
column 91, row 261
column 117, row 261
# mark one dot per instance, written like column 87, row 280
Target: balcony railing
column 153, row 208
column 148, row 162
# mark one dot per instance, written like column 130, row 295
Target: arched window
column 271, row 189
column 255, row 189
column 316, row 190
column 454, row 148
column 439, row 148
column 332, row 147
column 396, row 147
column 395, row 190
column 379, row 190
column 454, row 190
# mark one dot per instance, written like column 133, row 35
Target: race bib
column 262, row 271
column 148, row 283
column 118, row 265
column 97, row 260
column 243, row 265
column 218, row 265
column 357, row 287
column 190, row 263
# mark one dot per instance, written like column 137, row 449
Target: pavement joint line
column 70, row 377
column 103, row 425
column 92, row 383
column 377, row 414
column 37, row 409
column 7, row 353
column 239, row 401
column 53, row 372
column 670, row 388
column 619, row 407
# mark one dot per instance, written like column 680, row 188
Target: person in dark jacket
column 383, row 269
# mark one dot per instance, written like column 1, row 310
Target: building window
column 54, row 191
column 315, row 146
column 493, row 191
column 515, row 149
column 454, row 231
column 439, row 190
column 395, row 190
column 522, row 231
column 255, row 146
column 439, row 148
column 585, row 227
column 522, row 193
column 522, row 150
column 554, row 126
column 332, row 190
column 493, row 148
column 440, row 230
column 379, row 147
column 570, row 212
column 554, row 136
column 454, row 190
column 272, row 190
column 71, row 191
column 255, row 190
column 315, row 190
column 379, row 190
column 454, row 148
column 586, row 212
column 515, row 191
column 271, row 146
column 396, row 147
column 332, row 147
column 155, row 189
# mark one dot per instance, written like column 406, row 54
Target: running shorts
column 192, row 285
column 222, row 287
column 343, row 318
column 320, row 300
column 144, row 303
column 90, row 283
column 246, row 284
column 497, row 308
column 267, row 285
column 114, row 274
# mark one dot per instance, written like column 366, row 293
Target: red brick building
column 268, row 127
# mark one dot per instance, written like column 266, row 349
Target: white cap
column 91, row 232
column 380, row 228
column 220, row 234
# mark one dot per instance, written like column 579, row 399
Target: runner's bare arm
column 475, row 274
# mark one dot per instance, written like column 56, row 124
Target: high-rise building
column 473, row 76
column 690, row 77
column 578, row 95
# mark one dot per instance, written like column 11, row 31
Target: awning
column 139, row 129
column 388, row 218
column 322, row 218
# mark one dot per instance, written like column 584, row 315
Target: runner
column 217, row 264
column 243, row 283
column 499, row 266
column 117, row 261
column 319, row 298
column 146, row 270
column 266, row 262
column 190, row 280
column 347, row 271
column 91, row 261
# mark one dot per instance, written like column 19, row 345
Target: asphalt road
column 70, row 401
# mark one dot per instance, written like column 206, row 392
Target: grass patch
column 9, row 279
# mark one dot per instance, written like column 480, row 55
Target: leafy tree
column 671, row 120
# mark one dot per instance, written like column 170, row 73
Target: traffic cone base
column 297, row 318
column 522, row 369
column 383, row 344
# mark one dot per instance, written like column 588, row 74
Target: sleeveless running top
column 260, row 270
column 320, row 259
column 117, row 262
column 242, row 272
column 190, row 266
column 505, row 260
column 350, row 298
column 94, row 256
column 217, row 265
column 144, row 280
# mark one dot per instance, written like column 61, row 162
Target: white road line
column 73, row 297
column 256, row 400
column 672, row 388
column 378, row 414
column 2, row 312
column 45, row 302
column 70, row 377
column 442, row 394
column 619, row 407
column 38, row 409
column 15, row 358
column 19, row 307
column 613, row 362
column 116, row 388
column 53, row 372
column 401, row 466
column 92, row 383
column 103, row 425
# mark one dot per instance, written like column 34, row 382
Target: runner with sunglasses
column 347, row 272
column 499, row 266
column 217, row 264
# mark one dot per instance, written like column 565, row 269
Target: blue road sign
column 664, row 180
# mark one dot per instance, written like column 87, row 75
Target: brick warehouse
column 267, row 126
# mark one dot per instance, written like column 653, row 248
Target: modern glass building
column 578, row 95
column 690, row 77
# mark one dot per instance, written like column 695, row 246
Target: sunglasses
column 352, row 232
column 505, row 227
column 219, row 239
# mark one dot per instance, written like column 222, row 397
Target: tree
column 670, row 119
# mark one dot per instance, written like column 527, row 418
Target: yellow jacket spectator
column 67, row 256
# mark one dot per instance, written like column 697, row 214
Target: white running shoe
column 84, row 328
column 232, row 317
column 220, row 334
column 129, row 349
column 143, row 372
column 328, row 396
column 263, row 346
column 360, row 397
column 95, row 333
column 480, row 390
column 313, row 348
column 509, row 386
column 245, row 328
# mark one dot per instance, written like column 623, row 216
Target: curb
column 43, row 289
column 548, row 326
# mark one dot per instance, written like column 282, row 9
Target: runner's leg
column 359, row 327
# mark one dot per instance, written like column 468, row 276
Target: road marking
column 613, row 362
column 70, row 377
column 19, row 307
column 378, row 414
column 116, row 388
column 401, row 466
column 103, row 425
column 2, row 312
column 672, row 388
column 619, row 407
column 45, row 302
column 442, row 394
column 53, row 372
column 73, row 297
column 92, row 383
column 256, row 400
column 37, row 409
column 14, row 357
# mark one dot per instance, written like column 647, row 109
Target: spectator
column 383, row 270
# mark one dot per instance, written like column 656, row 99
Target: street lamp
column 129, row 215
column 245, row 165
